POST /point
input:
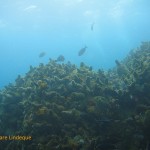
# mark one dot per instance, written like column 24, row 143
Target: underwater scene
column 75, row 75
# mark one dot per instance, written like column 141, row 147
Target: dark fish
column 42, row 54
column 60, row 58
column 117, row 62
column 92, row 26
column 82, row 51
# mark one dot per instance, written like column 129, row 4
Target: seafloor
column 64, row 107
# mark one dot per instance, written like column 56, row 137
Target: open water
column 109, row 29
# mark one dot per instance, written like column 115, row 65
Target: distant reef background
column 65, row 107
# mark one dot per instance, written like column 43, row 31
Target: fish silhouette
column 82, row 51
column 42, row 54
column 92, row 26
column 60, row 58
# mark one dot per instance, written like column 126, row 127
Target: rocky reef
column 66, row 107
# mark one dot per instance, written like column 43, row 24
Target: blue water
column 28, row 27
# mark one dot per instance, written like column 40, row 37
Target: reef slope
column 65, row 107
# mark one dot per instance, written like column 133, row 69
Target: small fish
column 60, row 58
column 82, row 51
column 92, row 26
column 42, row 54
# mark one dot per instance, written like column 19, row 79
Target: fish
column 60, row 58
column 42, row 54
column 92, row 26
column 82, row 51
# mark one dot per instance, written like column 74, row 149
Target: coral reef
column 65, row 107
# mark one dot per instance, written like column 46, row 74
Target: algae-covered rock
column 77, row 96
column 65, row 107
column 147, row 124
